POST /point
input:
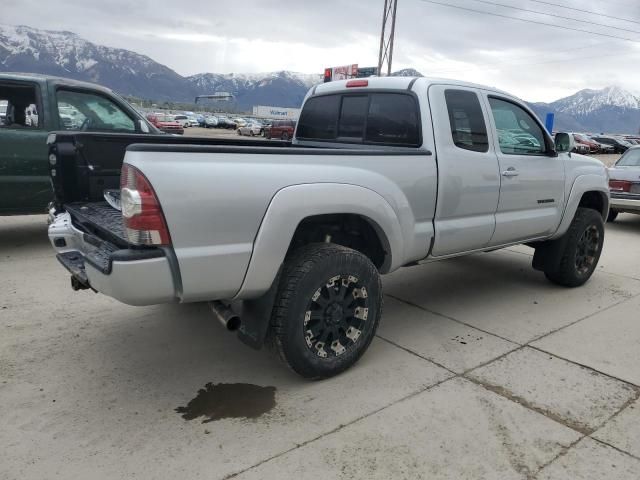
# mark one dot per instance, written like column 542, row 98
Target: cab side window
column 90, row 112
column 18, row 107
column 518, row 132
column 468, row 129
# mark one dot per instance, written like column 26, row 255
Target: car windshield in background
column 630, row 159
column 371, row 118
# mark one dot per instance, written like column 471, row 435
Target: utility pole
column 387, row 35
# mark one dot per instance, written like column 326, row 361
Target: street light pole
column 387, row 35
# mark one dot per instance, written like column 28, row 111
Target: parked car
column 280, row 129
column 303, row 247
column 603, row 147
column 619, row 146
column 624, row 184
column 193, row 121
column 584, row 140
column 183, row 120
column 225, row 122
column 165, row 123
column 250, row 129
column 33, row 105
column 240, row 122
column 211, row 122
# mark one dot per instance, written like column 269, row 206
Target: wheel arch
column 588, row 191
column 294, row 209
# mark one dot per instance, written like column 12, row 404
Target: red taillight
column 357, row 83
column 619, row 186
column 141, row 211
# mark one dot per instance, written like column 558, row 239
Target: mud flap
column 256, row 317
column 549, row 254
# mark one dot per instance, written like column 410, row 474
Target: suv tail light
column 141, row 211
column 619, row 185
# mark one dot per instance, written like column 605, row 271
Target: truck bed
column 87, row 163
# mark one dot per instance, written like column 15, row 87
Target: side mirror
column 564, row 142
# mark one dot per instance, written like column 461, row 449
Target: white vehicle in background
column 3, row 111
column 210, row 122
column 624, row 184
column 240, row 122
column 183, row 120
column 251, row 129
column 193, row 121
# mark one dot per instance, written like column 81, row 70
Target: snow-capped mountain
column 66, row 54
column 407, row 72
column 611, row 109
column 285, row 89
column 587, row 101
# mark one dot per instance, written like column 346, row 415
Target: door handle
column 510, row 172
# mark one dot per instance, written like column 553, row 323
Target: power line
column 586, row 11
column 546, row 55
column 555, row 16
column 532, row 21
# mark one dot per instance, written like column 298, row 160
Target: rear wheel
column 613, row 214
column 327, row 309
column 285, row 136
column 585, row 239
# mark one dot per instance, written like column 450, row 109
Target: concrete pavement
column 481, row 370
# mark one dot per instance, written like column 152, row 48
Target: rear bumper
column 134, row 277
column 627, row 204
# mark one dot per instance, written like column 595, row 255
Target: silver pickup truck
column 288, row 240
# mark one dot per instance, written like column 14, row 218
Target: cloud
column 535, row 62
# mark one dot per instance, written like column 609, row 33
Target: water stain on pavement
column 229, row 400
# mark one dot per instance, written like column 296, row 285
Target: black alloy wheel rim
column 335, row 316
column 587, row 250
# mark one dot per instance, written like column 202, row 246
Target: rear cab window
column 468, row 129
column 19, row 107
column 372, row 118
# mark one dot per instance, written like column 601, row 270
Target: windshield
column 630, row 159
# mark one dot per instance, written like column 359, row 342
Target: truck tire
column 582, row 250
column 327, row 309
column 613, row 214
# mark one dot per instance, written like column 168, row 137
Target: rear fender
column 293, row 204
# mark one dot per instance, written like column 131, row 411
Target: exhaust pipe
column 229, row 319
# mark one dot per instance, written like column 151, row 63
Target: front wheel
column 579, row 258
column 327, row 309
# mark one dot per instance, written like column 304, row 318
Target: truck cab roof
column 41, row 78
column 397, row 83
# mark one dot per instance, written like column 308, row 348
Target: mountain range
column 66, row 54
